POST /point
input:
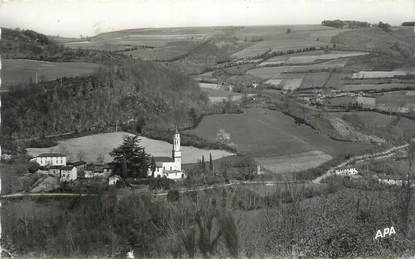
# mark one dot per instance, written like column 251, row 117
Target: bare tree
column 406, row 188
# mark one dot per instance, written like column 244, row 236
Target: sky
column 72, row 18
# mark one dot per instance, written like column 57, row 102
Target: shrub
column 173, row 195
column 33, row 167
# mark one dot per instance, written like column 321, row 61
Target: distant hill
column 408, row 24
column 27, row 44
column 397, row 44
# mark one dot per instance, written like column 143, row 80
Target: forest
column 133, row 93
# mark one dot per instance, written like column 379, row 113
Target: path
column 380, row 155
column 55, row 194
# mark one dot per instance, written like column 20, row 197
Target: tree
column 406, row 188
column 210, row 162
column 81, row 155
column 153, row 166
column 33, row 167
column 100, row 158
column 173, row 195
column 124, row 168
column 137, row 160
column 223, row 137
column 203, row 164
column 288, row 30
column 384, row 26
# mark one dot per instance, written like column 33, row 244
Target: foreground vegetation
column 326, row 222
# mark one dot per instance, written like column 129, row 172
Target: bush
column 173, row 195
column 33, row 167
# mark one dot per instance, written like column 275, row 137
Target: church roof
column 51, row 155
column 163, row 159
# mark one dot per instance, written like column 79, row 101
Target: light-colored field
column 398, row 98
column 292, row 84
column 275, row 72
column 275, row 38
column 379, row 74
column 209, row 86
column 168, row 51
column 374, row 87
column 314, row 58
column 269, row 135
column 16, row 71
column 309, row 57
column 273, row 82
column 295, row 162
column 217, row 94
column 93, row 145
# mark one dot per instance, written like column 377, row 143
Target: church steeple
column 176, row 153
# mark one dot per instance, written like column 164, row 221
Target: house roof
column 77, row 163
column 51, row 155
column 55, row 167
column 67, row 167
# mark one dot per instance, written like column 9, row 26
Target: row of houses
column 56, row 164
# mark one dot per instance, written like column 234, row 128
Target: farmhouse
column 112, row 180
column 347, row 171
column 54, row 159
column 366, row 102
column 170, row 167
column 54, row 170
column 68, row 173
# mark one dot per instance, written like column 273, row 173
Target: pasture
column 275, row 38
column 292, row 84
column 217, row 93
column 276, row 72
column 272, row 136
column 15, row 71
column 90, row 147
column 294, row 162
column 380, row 74
column 374, row 87
column 309, row 57
column 382, row 125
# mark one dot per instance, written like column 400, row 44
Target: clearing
column 15, row 71
column 271, row 136
column 92, row 146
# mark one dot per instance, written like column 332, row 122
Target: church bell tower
column 176, row 153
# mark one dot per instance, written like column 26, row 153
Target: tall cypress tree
column 203, row 162
column 210, row 162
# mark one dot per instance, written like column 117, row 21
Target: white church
column 170, row 167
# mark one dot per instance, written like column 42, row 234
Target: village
column 57, row 165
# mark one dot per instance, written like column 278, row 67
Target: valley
column 156, row 141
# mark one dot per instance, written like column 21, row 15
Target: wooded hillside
column 123, row 91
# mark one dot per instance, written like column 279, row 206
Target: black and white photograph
column 207, row 129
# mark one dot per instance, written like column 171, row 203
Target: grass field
column 275, row 72
column 218, row 94
column 374, row 38
column 275, row 38
column 295, row 162
column 93, row 145
column 16, row 71
column 274, row 138
column 374, row 87
column 398, row 98
column 310, row 57
column 383, row 125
